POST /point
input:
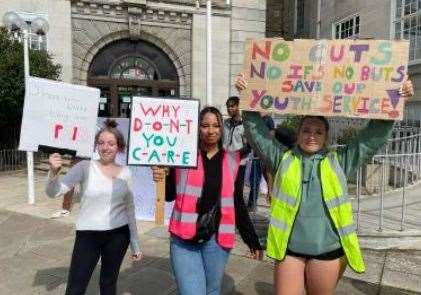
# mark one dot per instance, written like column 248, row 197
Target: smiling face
column 107, row 146
column 210, row 130
column 312, row 135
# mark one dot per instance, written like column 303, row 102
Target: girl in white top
column 106, row 224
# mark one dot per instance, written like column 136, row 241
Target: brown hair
column 111, row 127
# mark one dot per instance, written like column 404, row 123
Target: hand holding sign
column 159, row 173
column 55, row 162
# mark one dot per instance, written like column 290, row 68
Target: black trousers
column 111, row 246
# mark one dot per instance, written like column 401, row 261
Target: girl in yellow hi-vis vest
column 311, row 233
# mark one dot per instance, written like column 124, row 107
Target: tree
column 12, row 88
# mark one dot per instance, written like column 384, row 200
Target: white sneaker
column 60, row 213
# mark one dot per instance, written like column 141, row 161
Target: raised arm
column 261, row 140
column 57, row 186
column 368, row 141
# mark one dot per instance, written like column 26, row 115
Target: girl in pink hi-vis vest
column 206, row 213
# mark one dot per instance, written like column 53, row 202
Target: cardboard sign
column 163, row 132
column 346, row 78
column 59, row 115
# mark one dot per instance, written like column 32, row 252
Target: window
column 134, row 68
column 407, row 25
column 347, row 28
column 300, row 17
column 35, row 41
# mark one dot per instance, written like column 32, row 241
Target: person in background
column 106, row 224
column 258, row 169
column 311, row 233
column 234, row 140
column 206, row 212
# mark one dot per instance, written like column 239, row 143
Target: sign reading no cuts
column 163, row 132
column 345, row 78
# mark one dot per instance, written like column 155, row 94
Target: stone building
column 146, row 47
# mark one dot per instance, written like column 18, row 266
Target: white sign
column 163, row 132
column 60, row 115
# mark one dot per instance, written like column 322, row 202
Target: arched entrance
column 127, row 68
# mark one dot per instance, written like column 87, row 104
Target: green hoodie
column 313, row 232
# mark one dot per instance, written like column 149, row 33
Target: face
column 312, row 136
column 107, row 146
column 232, row 109
column 210, row 129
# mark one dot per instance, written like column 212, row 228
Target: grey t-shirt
column 106, row 203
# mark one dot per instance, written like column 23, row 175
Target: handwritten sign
column 347, row 78
column 59, row 114
column 163, row 132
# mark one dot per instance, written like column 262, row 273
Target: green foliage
column 348, row 134
column 291, row 122
column 12, row 88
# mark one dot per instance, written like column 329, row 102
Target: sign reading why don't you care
column 163, row 132
column 345, row 78
column 59, row 115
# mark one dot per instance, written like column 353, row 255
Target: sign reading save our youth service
column 163, row 132
column 60, row 115
column 346, row 78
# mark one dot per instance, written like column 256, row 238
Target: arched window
column 135, row 68
column 127, row 68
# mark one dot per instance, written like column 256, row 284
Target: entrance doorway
column 126, row 68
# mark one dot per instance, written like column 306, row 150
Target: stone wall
column 374, row 16
column 167, row 27
column 248, row 21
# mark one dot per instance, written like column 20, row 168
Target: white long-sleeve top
column 106, row 203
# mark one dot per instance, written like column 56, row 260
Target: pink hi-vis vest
column 189, row 189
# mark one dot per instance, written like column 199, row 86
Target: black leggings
column 111, row 246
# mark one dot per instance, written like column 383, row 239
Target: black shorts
column 332, row 255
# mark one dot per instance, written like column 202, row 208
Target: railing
column 12, row 159
column 385, row 173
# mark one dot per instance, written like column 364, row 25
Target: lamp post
column 39, row 25
column 209, row 73
column 209, row 52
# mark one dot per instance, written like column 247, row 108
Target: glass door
column 125, row 95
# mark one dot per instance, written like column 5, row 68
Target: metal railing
column 382, row 174
column 12, row 159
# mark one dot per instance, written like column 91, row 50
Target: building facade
column 146, row 47
column 378, row 19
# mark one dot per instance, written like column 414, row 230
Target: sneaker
column 60, row 213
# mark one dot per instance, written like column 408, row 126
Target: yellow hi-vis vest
column 286, row 198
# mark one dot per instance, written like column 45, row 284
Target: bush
column 12, row 87
column 348, row 134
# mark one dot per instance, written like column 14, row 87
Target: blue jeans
column 198, row 268
column 255, row 178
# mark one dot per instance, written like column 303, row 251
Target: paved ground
column 35, row 253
